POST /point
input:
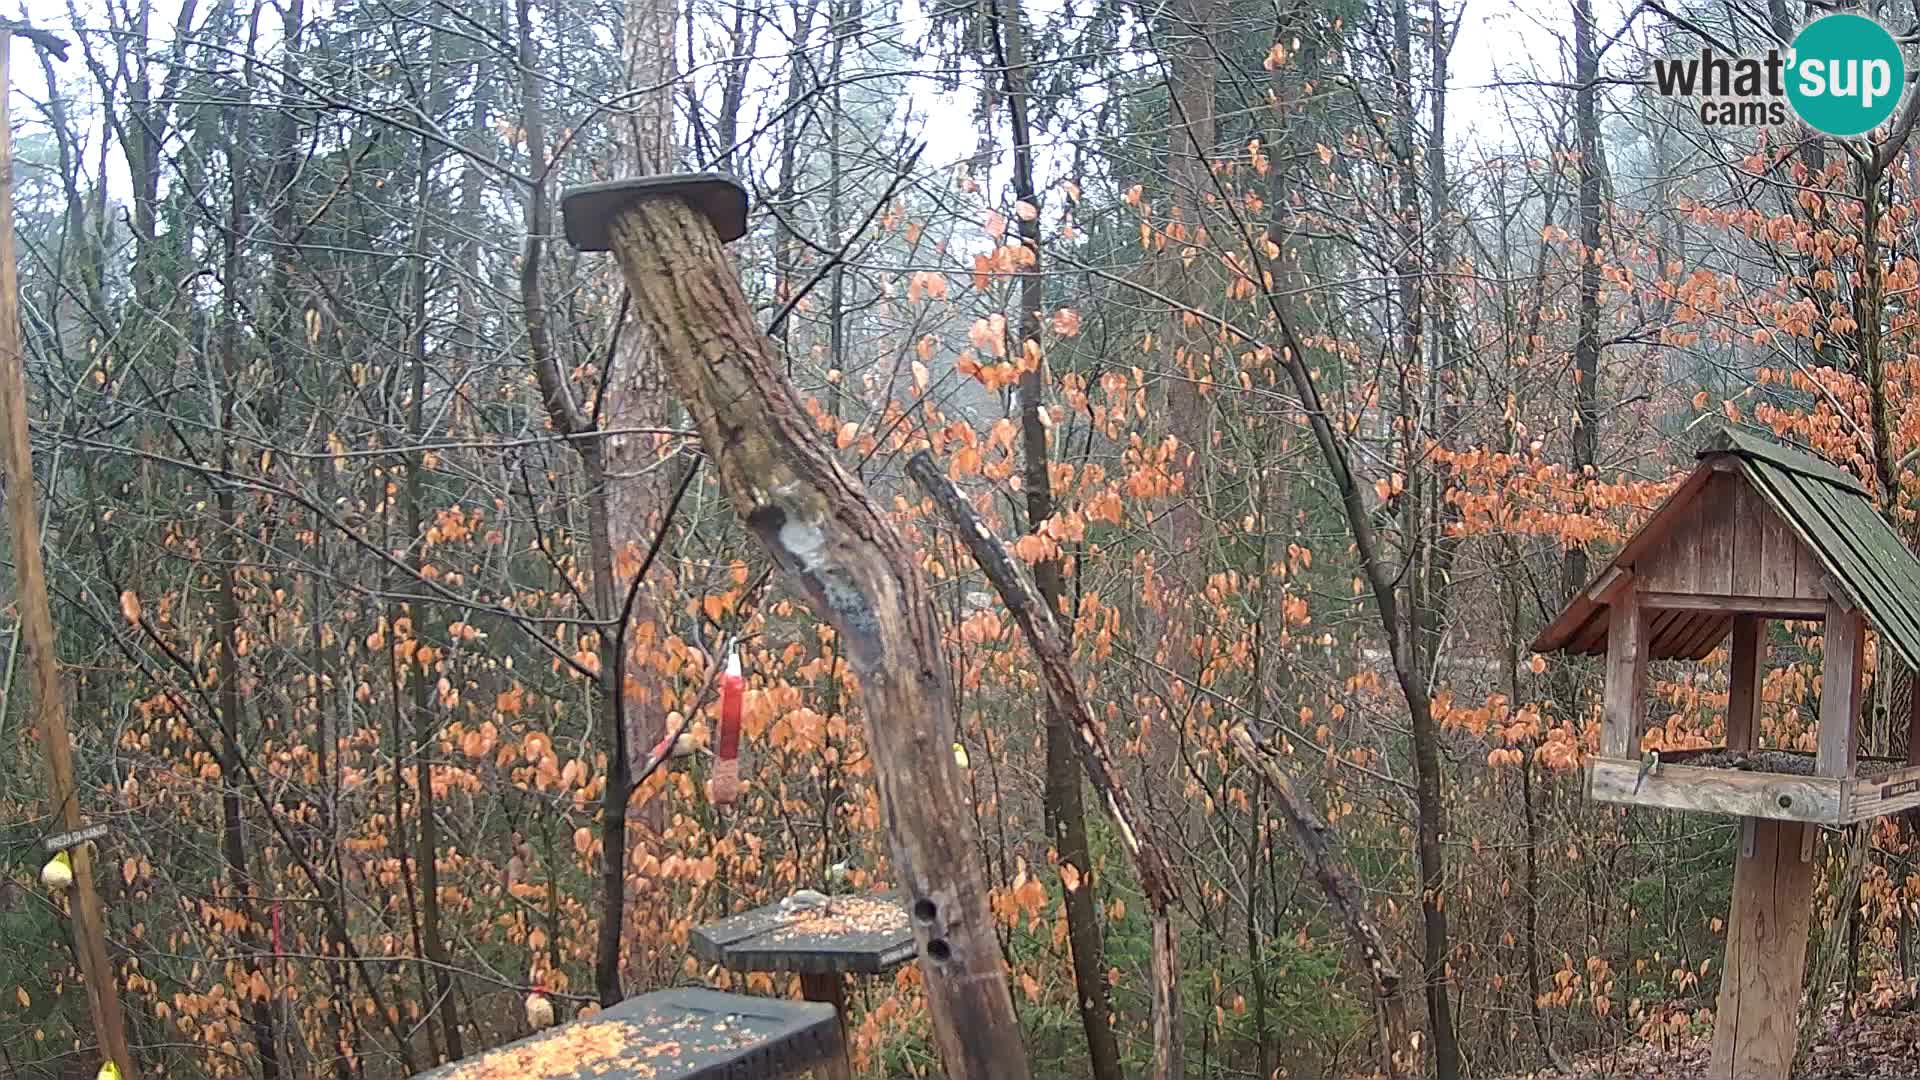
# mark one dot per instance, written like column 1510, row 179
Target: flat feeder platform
column 688, row 1034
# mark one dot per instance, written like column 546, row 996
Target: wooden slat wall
column 1731, row 543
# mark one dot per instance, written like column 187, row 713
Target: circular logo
column 1846, row 75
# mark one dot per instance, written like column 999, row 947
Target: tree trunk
column 1586, row 345
column 820, row 527
column 233, row 840
column 446, row 1004
column 1066, row 815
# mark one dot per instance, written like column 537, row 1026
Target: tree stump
column 822, row 530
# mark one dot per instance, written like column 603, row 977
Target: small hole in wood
column 940, row 950
column 1786, row 801
column 925, row 910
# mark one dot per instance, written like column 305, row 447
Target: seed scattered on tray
column 849, row 915
column 575, row 1047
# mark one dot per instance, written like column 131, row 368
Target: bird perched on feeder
column 725, row 786
column 1649, row 763
column 805, row 900
column 539, row 1009
column 58, row 873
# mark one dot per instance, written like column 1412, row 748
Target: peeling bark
column 827, row 535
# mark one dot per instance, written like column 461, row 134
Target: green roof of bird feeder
column 1707, row 539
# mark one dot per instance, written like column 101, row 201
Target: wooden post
column 1626, row 674
column 1754, row 1025
column 36, row 621
column 1748, row 673
column 1913, row 716
column 818, row 524
column 1841, row 661
column 831, row 988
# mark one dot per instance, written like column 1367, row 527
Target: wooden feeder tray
column 689, row 1034
column 860, row 935
column 589, row 210
column 1776, row 784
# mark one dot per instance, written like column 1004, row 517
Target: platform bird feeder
column 1759, row 531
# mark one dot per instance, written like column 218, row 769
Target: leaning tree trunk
column 1066, row 814
column 821, row 528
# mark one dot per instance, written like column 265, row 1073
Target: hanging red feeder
column 725, row 787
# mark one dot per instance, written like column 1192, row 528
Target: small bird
column 539, row 1009
column 109, row 1071
column 1649, row 762
column 58, row 873
column 805, row 900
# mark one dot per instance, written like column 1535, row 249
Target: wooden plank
column 1789, row 511
column 1754, row 1027
column 1655, row 534
column 1582, row 626
column 1610, row 581
column 1674, row 565
column 1626, row 675
column 1732, row 792
column 1747, row 673
column 1771, row 555
column 1841, row 661
column 1883, row 795
column 1706, row 636
column 1591, row 638
column 1751, row 517
column 1778, row 607
column 1717, row 542
column 1669, row 631
column 1661, row 627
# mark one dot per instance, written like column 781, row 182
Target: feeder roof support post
column 1626, row 673
column 1746, row 676
column 1841, row 661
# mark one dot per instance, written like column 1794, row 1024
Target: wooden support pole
column 830, row 987
column 818, row 524
column 36, row 621
column 1748, row 673
column 1754, row 1024
column 1841, row 662
column 1626, row 674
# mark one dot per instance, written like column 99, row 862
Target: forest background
column 1312, row 353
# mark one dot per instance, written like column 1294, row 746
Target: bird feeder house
column 1759, row 531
